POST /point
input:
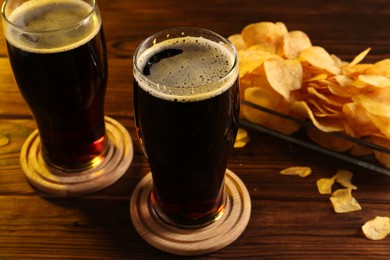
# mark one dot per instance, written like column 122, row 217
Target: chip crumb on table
column 343, row 201
column 242, row 138
column 301, row 171
column 377, row 228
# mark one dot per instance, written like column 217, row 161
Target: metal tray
column 368, row 162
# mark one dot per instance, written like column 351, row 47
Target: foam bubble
column 197, row 73
column 42, row 21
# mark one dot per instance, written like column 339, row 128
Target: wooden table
column 290, row 219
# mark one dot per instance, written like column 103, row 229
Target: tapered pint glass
column 58, row 57
column 186, row 101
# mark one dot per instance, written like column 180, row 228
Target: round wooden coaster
column 197, row 241
column 61, row 183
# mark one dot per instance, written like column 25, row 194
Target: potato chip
column 261, row 47
column 343, row 86
column 284, row 76
column 324, row 185
column 377, row 228
column 380, row 68
column 266, row 33
column 328, row 141
column 320, row 58
column 360, row 150
column 268, row 98
column 324, row 124
column 382, row 157
column 371, row 104
column 343, row 202
column 356, row 115
column 237, row 41
column 301, row 171
column 359, row 57
column 294, row 43
column 249, row 60
column 344, row 178
column 355, row 71
column 242, row 138
column 375, row 80
column 376, row 107
column 328, row 99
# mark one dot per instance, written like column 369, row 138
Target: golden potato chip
column 324, row 185
column 380, row 68
column 301, row 171
column 320, row 58
column 382, row 157
column 343, row 86
column 377, row 228
column 263, row 97
column 328, row 99
column 377, row 109
column 355, row 71
column 360, row 150
column 375, row 80
column 359, row 57
column 343, row 202
column 237, row 41
column 262, row 47
column 324, row 124
column 294, row 43
column 344, row 178
column 284, row 76
column 355, row 115
column 242, row 138
column 268, row 98
column 319, row 77
column 250, row 60
column 329, row 141
column 266, row 33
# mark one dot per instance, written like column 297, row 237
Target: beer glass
column 58, row 56
column 186, row 101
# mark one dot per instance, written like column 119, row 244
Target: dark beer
column 187, row 124
column 62, row 75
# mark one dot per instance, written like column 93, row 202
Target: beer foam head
column 202, row 70
column 44, row 26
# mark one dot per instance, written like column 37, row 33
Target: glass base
column 202, row 222
column 194, row 241
column 62, row 183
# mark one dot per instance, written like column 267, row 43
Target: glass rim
column 30, row 31
column 152, row 39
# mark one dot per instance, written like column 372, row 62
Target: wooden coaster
column 61, row 183
column 197, row 241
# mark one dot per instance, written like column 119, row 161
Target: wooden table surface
column 289, row 219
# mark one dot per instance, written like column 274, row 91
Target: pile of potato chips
column 282, row 71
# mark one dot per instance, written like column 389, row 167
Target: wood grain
column 290, row 219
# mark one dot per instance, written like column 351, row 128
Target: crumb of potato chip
column 343, row 201
column 242, row 138
column 377, row 228
column 324, row 185
column 343, row 177
column 297, row 170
